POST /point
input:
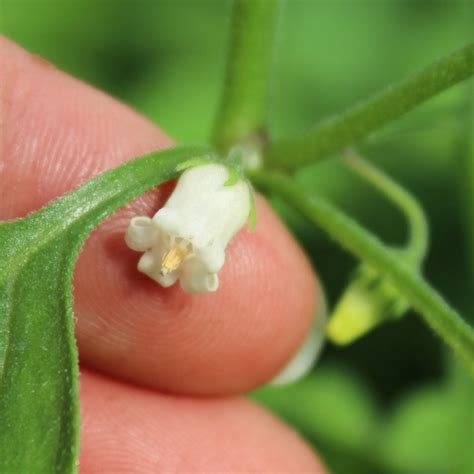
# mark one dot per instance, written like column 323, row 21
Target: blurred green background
column 395, row 401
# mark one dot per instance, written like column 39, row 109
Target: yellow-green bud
column 368, row 301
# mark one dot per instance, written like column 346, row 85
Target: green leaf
column 319, row 406
column 341, row 130
column 335, row 411
column 431, row 429
column 39, row 416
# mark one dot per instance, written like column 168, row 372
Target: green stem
column 443, row 319
column 243, row 109
column 417, row 245
column 339, row 131
column 469, row 185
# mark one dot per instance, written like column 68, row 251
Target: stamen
column 172, row 259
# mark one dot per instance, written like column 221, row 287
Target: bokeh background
column 395, row 401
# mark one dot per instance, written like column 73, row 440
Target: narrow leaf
column 39, row 416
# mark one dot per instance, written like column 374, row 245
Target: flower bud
column 368, row 301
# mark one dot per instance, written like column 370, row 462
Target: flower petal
column 150, row 264
column 167, row 221
column 195, row 278
column 141, row 234
column 211, row 256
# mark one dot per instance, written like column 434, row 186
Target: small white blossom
column 187, row 238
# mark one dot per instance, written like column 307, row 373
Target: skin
column 162, row 371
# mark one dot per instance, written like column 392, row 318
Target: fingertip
column 59, row 133
column 128, row 429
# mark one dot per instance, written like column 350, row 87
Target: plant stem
column 344, row 129
column 243, row 108
column 443, row 319
column 417, row 244
column 469, row 185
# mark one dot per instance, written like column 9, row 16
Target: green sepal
column 234, row 176
column 233, row 162
column 253, row 210
column 196, row 162
column 234, row 158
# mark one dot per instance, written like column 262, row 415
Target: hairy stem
column 469, row 185
column 339, row 131
column 243, row 109
column 443, row 319
column 417, row 244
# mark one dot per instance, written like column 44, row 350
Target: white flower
column 187, row 238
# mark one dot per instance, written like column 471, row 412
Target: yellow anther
column 172, row 259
